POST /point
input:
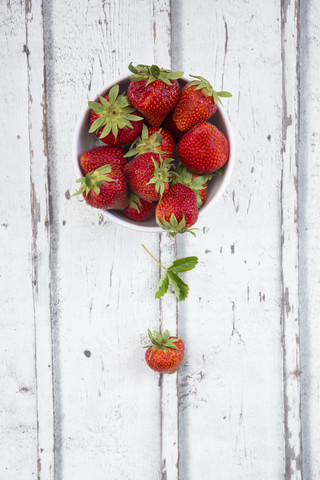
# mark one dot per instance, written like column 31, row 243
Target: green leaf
column 106, row 130
column 183, row 264
column 96, row 124
column 104, row 101
column 180, row 288
column 131, row 152
column 155, row 70
column 96, row 107
column 224, row 94
column 114, row 128
column 158, row 335
column 163, row 285
column 113, row 93
column 132, row 68
column 134, row 118
column 166, row 336
column 174, row 75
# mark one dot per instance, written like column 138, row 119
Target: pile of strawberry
column 153, row 116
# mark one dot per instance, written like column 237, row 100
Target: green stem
column 153, row 256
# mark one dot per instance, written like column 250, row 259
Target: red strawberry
column 155, row 140
column 105, row 188
column 169, row 125
column 165, row 353
column 196, row 182
column 177, row 210
column 197, row 103
column 113, row 120
column 99, row 156
column 139, row 209
column 148, row 175
column 203, row 149
column 153, row 91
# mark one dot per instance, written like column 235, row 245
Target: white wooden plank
column 18, row 414
column 309, row 262
column 107, row 401
column 290, row 241
column 231, row 419
column 169, row 393
column 168, row 253
column 40, row 251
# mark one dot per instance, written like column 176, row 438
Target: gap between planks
column 40, row 242
column 290, row 239
column 168, row 384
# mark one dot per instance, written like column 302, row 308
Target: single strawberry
column 155, row 140
column 114, row 120
column 165, row 353
column 153, row 91
column 139, row 209
column 99, row 156
column 177, row 211
column 149, row 175
column 104, row 188
column 197, row 183
column 203, row 149
column 197, row 103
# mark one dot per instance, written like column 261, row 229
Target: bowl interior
column 84, row 141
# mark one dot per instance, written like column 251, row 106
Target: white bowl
column 83, row 141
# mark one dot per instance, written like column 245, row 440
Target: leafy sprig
column 170, row 276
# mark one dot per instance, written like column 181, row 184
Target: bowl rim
column 155, row 229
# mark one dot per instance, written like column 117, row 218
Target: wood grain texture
column 290, row 320
column 309, row 172
column 230, row 388
column 40, row 249
column 18, row 404
column 77, row 291
column 107, row 400
column 168, row 304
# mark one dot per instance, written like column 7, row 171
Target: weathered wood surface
column 77, row 291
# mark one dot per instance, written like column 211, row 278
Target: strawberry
column 177, row 210
column 155, row 140
column 104, row 188
column 99, row 156
column 113, row 120
column 138, row 208
column 149, row 175
column 165, row 353
column 203, row 149
column 169, row 125
column 153, row 91
column 196, row 182
column 197, row 103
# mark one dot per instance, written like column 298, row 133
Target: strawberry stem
column 153, row 256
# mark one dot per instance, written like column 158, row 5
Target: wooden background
column 77, row 400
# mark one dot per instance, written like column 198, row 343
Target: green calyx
column 134, row 201
column 93, row 180
column 162, row 342
column 184, row 176
column 220, row 172
column 161, row 174
column 203, row 84
column 114, row 114
column 145, row 144
column 174, row 227
column 153, row 73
